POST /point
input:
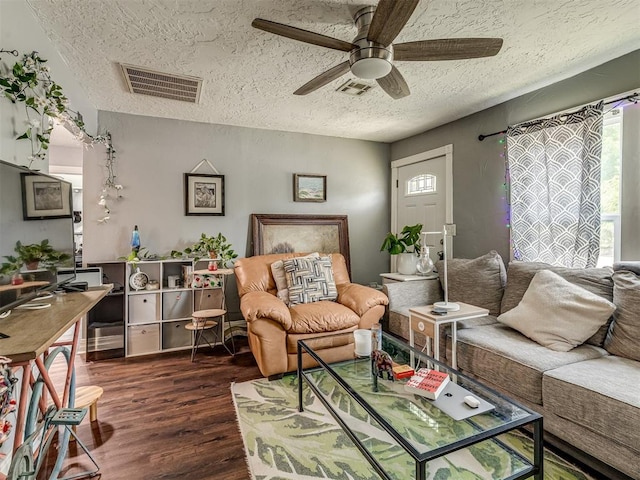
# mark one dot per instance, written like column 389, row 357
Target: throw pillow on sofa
column 277, row 270
column 624, row 334
column 479, row 281
column 596, row 280
column 556, row 313
column 310, row 280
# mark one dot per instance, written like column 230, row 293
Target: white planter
column 406, row 263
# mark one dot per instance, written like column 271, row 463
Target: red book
column 428, row 383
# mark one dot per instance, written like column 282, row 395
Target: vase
column 406, row 263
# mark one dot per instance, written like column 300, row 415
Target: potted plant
column 404, row 245
column 35, row 255
column 213, row 247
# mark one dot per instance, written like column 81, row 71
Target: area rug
column 282, row 443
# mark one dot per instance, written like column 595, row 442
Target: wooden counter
column 32, row 332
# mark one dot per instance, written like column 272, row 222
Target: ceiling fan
column 372, row 51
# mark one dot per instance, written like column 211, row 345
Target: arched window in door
column 420, row 184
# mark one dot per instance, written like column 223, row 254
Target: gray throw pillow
column 596, row 280
column 624, row 333
column 556, row 313
column 479, row 281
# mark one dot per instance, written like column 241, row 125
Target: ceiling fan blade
column 394, row 84
column 301, row 35
column 324, row 78
column 389, row 18
column 447, row 49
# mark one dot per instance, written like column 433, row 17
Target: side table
column 421, row 320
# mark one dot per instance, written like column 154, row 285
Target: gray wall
column 478, row 168
column 152, row 154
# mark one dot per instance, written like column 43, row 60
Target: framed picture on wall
column 44, row 198
column 203, row 194
column 309, row 188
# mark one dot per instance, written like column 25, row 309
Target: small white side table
column 423, row 321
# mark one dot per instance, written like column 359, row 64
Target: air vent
column 164, row 85
column 354, row 88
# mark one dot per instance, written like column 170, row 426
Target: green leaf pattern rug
column 282, row 443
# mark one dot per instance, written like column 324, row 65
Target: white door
column 422, row 194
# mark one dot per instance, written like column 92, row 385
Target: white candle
column 362, row 339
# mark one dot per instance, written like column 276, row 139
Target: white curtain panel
column 554, row 167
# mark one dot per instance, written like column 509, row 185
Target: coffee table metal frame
column 535, row 469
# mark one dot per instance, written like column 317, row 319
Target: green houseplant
column 214, row 247
column 404, row 246
column 33, row 255
column 405, row 241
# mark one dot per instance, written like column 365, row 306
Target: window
column 420, row 184
column 620, row 196
column 610, row 174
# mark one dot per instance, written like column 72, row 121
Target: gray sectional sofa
column 589, row 395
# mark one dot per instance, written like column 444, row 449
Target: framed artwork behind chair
column 284, row 233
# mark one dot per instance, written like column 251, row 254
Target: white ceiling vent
column 354, row 88
column 164, row 85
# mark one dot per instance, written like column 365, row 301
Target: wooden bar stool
column 88, row 397
column 201, row 323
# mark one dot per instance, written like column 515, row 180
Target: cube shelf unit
column 156, row 318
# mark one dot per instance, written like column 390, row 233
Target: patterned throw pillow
column 277, row 270
column 310, row 280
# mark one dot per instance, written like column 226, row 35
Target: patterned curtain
column 554, row 168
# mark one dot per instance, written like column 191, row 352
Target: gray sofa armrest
column 403, row 295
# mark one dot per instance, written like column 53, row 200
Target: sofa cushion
column 277, row 270
column 556, row 313
column 509, row 360
column 310, row 280
column 602, row 395
column 596, row 280
column 624, row 333
column 479, row 281
column 321, row 316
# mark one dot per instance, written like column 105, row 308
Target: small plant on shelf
column 405, row 242
column 213, row 247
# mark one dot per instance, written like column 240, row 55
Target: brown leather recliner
column 275, row 328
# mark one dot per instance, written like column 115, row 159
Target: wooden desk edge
column 23, row 345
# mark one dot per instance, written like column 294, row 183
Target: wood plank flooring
column 163, row 417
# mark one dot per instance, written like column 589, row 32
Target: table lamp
column 446, row 305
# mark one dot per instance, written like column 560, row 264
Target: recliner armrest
column 359, row 298
column 256, row 305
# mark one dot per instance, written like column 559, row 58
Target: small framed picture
column 203, row 194
column 309, row 188
column 45, row 197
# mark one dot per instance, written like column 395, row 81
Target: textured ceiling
column 250, row 75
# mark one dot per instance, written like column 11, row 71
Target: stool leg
column 93, row 412
column 194, row 347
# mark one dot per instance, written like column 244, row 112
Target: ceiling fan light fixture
column 371, row 68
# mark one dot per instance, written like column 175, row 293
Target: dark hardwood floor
column 163, row 417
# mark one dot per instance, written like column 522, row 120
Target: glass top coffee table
column 404, row 435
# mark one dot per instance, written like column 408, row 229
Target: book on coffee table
column 427, row 382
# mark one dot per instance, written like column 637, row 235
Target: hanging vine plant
column 30, row 83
